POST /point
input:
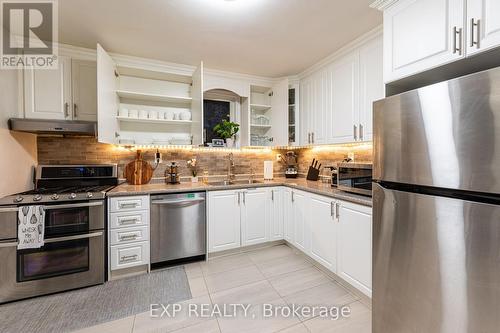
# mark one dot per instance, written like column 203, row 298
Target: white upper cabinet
column 344, row 106
column 483, row 25
column 141, row 104
column 197, row 106
column 84, row 88
column 336, row 101
column 47, row 93
column 279, row 121
column 422, row 34
column 266, row 121
column 107, row 99
column 371, row 85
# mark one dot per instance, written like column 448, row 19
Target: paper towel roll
column 268, row 170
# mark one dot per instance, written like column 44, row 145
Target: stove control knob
column 18, row 198
column 89, row 195
column 72, row 196
column 54, row 197
column 37, row 197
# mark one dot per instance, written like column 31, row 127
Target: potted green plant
column 227, row 130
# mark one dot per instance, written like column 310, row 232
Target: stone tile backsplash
column 76, row 150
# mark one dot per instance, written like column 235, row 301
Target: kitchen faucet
column 230, row 166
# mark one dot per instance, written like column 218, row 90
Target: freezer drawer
column 178, row 226
column 436, row 264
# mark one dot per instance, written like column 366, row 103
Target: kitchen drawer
column 129, row 255
column 126, row 204
column 129, row 235
column 129, row 219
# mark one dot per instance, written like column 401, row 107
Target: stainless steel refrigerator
column 436, row 209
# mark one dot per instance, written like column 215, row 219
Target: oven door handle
column 58, row 239
column 75, row 205
column 68, row 238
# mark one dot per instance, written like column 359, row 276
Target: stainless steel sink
column 235, row 182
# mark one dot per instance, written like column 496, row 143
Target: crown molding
column 358, row 42
column 382, row 4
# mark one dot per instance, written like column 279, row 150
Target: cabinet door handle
column 75, row 112
column 475, row 24
column 66, row 110
column 309, row 137
column 293, row 198
column 312, row 137
column 239, row 193
column 272, row 195
column 331, row 208
column 244, row 198
column 355, row 132
column 361, row 132
column 337, row 208
column 457, row 47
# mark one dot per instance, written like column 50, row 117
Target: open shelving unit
column 139, row 88
column 261, row 108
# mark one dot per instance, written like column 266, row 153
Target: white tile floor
column 274, row 275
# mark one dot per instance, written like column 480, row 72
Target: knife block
column 312, row 174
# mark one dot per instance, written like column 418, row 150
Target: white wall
column 18, row 150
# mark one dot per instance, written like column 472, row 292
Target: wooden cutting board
column 138, row 172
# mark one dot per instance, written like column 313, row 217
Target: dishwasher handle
column 176, row 201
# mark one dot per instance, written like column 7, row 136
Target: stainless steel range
column 73, row 254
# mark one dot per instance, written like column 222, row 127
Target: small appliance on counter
column 291, row 162
column 333, row 174
column 355, row 177
column 172, row 174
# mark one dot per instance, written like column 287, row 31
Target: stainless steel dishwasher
column 178, row 227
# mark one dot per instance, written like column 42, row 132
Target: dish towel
column 30, row 227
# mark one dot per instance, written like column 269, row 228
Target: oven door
column 63, row 263
column 73, row 218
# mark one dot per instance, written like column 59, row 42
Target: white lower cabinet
column 128, row 225
column 277, row 216
column 300, row 205
column 324, row 230
column 335, row 233
column 355, row 246
column 224, row 221
column 255, row 216
column 244, row 217
column 129, row 255
column 288, row 216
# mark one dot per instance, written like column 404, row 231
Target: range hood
column 61, row 127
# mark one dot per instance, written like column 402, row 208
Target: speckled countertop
column 298, row 183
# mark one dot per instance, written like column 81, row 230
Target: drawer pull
column 128, row 237
column 128, row 205
column 128, row 221
column 129, row 258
